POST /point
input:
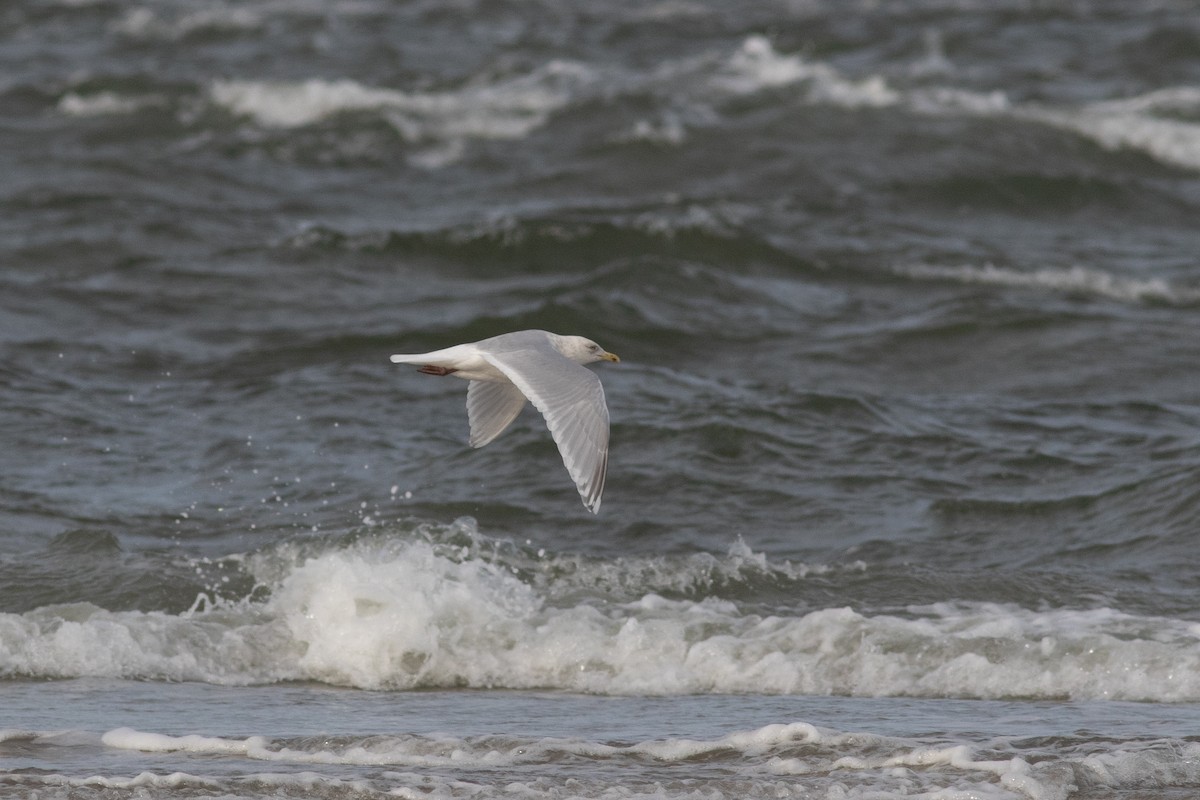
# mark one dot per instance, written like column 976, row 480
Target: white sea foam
column 755, row 743
column 394, row 751
column 292, row 104
column 141, row 783
column 104, row 103
column 129, row 739
column 949, row 100
column 747, row 762
column 503, row 109
column 756, row 66
column 438, row 123
column 670, row 128
column 764, row 746
column 183, row 784
column 1162, row 124
column 513, row 107
column 145, row 23
column 1072, row 280
column 899, row 759
column 854, row 763
column 398, row 613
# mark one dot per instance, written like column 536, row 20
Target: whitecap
column 756, row 66
column 884, row 766
column 1161, row 124
column 1076, row 280
column 504, row 109
column 1137, row 123
column 104, row 103
column 449, row 610
column 144, row 23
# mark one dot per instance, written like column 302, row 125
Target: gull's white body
column 546, row 369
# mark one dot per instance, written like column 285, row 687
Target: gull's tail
column 449, row 357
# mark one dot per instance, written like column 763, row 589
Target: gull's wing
column 571, row 399
column 491, row 407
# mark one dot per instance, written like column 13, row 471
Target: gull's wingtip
column 591, row 500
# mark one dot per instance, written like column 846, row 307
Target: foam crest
column 1161, row 763
column 857, row 762
column 515, row 106
column 393, row 751
column 744, row 761
column 129, row 739
column 755, row 743
column 1162, row 124
column 1076, row 280
column 104, row 103
column 405, row 618
column 408, row 750
column 756, row 66
column 763, row 745
column 453, row 609
column 504, row 109
column 567, row 576
column 183, row 784
column 229, row 645
column 1014, row 774
column 145, row 23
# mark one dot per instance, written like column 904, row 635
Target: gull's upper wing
column 571, row 399
column 491, row 407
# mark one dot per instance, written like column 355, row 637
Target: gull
column 546, row 369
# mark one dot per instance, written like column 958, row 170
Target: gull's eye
column 593, row 347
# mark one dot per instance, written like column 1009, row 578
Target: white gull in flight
column 545, row 368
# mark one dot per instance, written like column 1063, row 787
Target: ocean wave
column 663, row 264
column 676, row 287
column 513, row 107
column 102, row 103
column 1070, row 280
column 1161, row 124
column 688, row 93
column 756, row 66
column 445, row 611
column 507, row 108
column 704, row 233
column 741, row 763
column 144, row 23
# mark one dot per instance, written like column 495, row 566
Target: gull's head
column 583, row 351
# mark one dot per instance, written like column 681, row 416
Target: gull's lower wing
column 571, row 399
column 491, row 407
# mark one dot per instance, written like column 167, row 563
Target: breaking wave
column 444, row 607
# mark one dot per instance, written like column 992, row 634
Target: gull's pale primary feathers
column 546, row 369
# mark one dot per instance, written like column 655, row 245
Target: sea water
column 902, row 483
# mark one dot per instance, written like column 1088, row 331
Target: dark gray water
column 906, row 296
